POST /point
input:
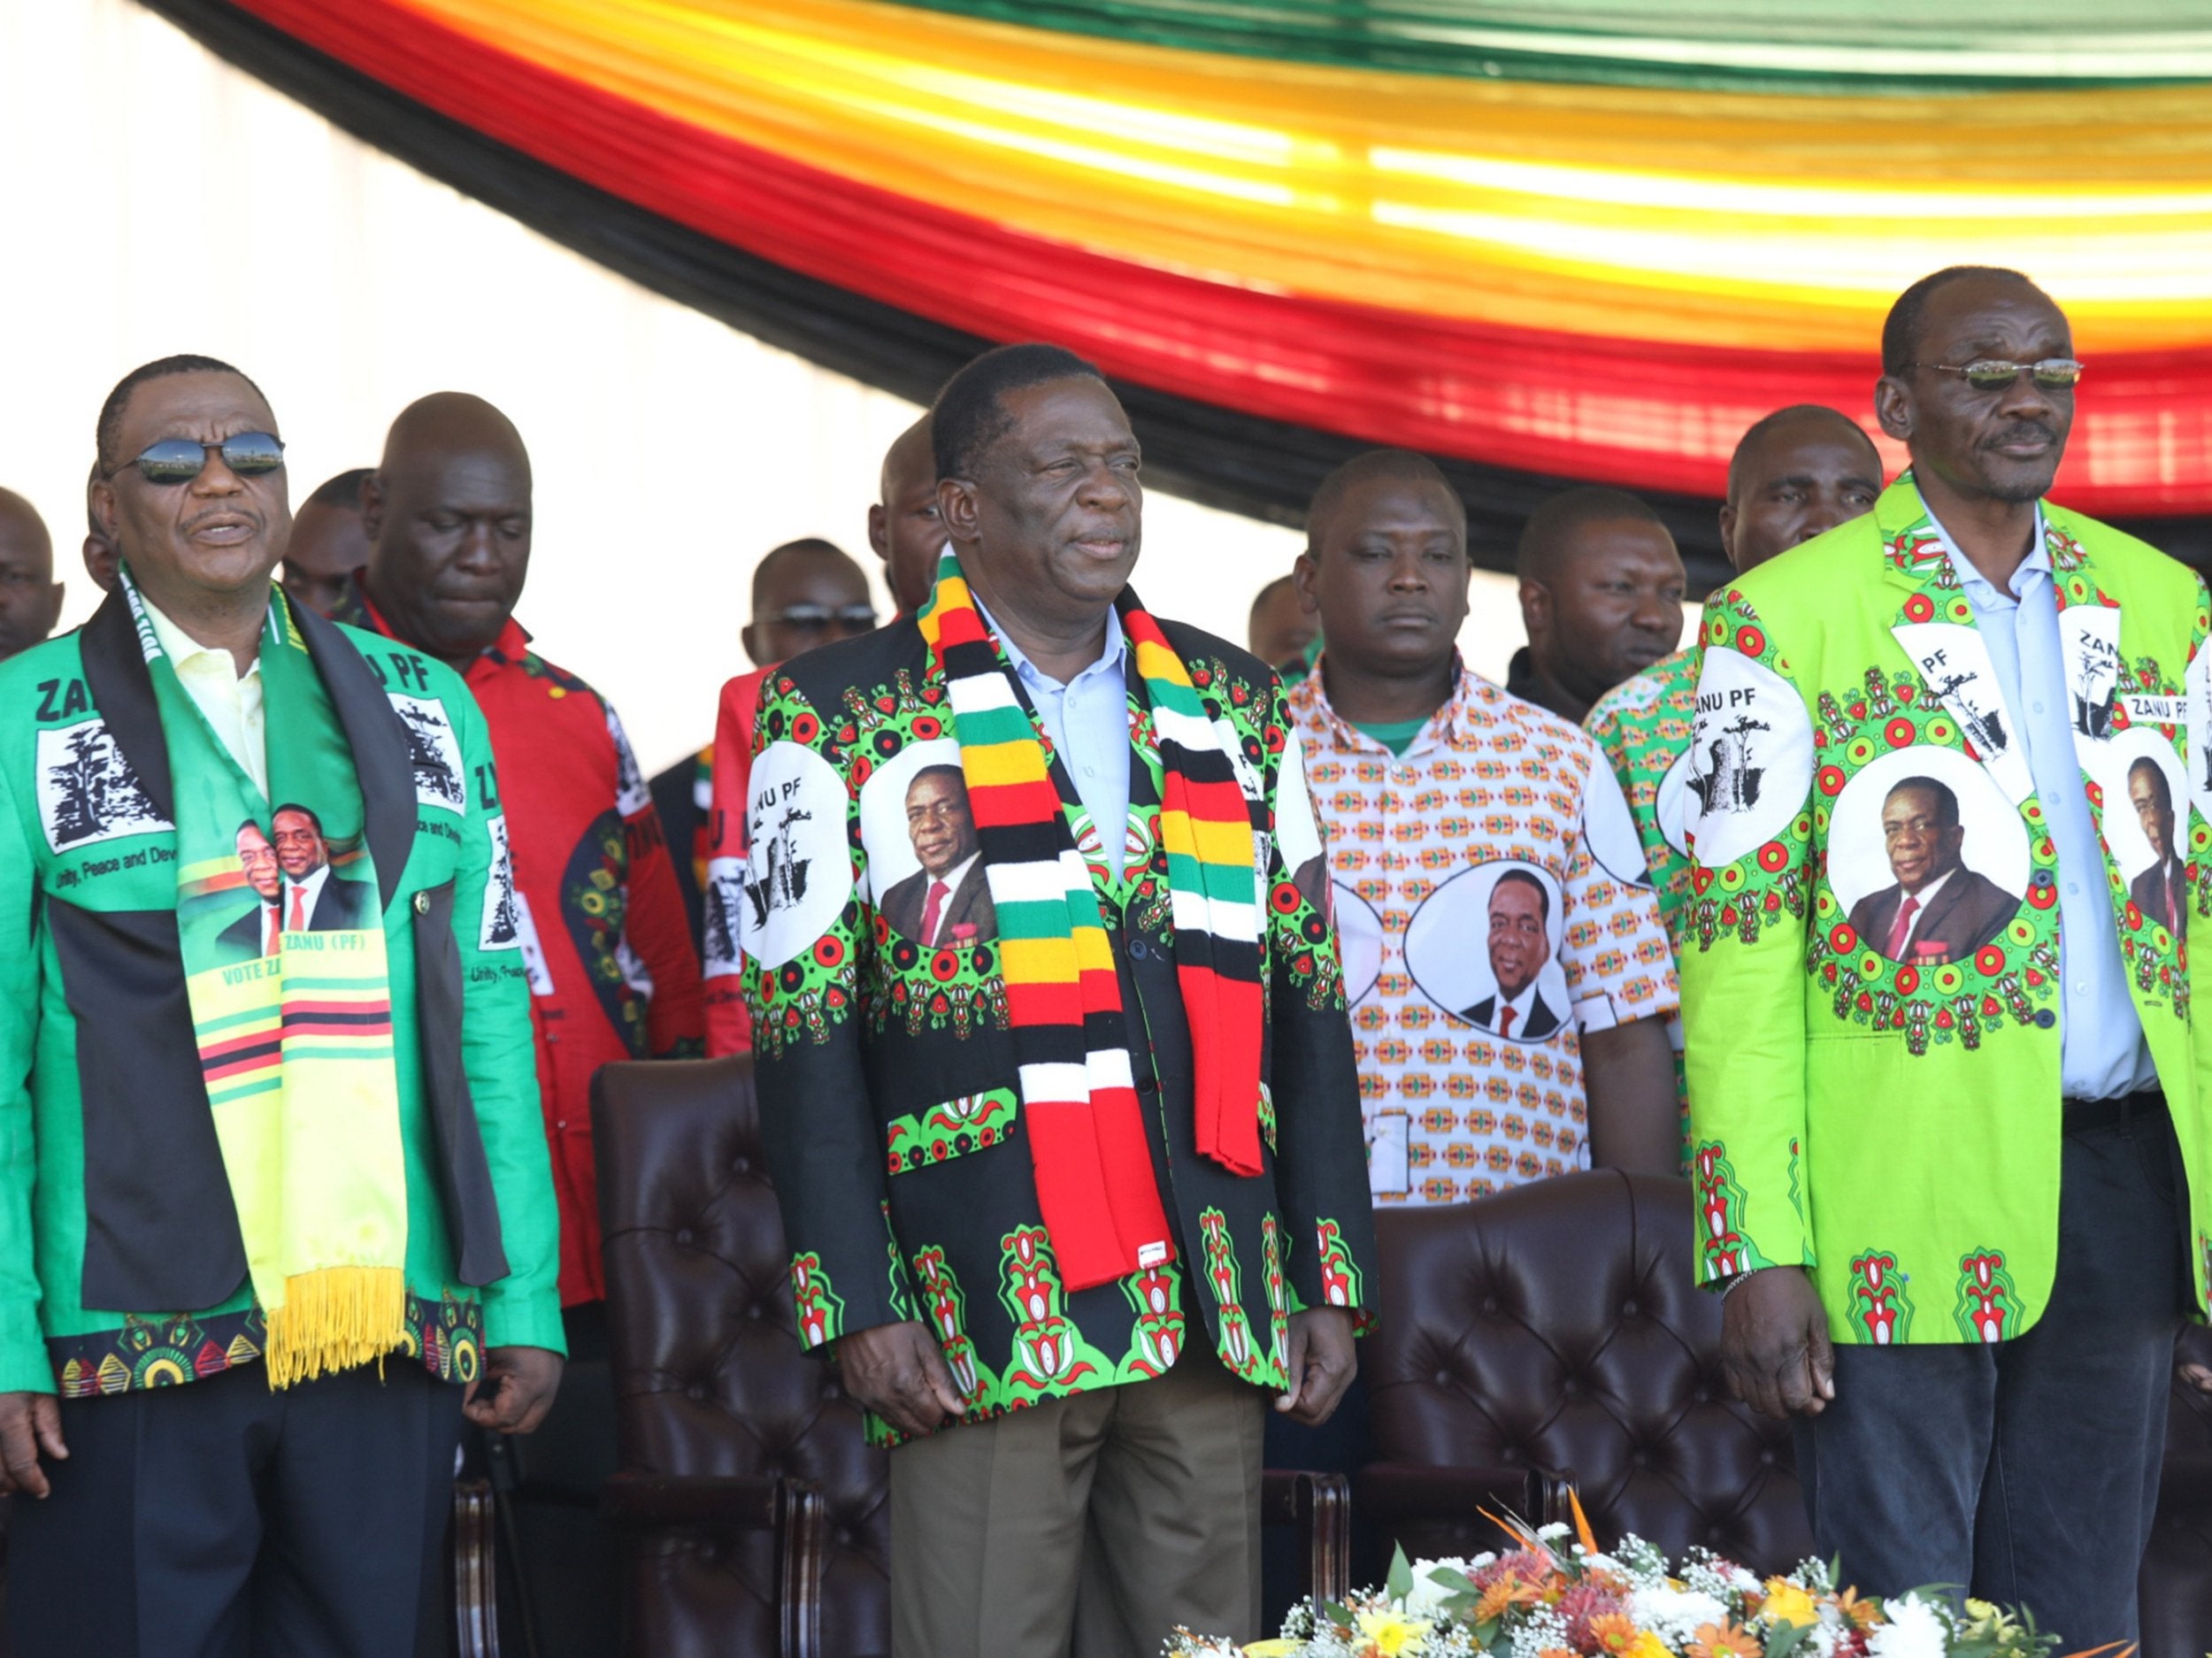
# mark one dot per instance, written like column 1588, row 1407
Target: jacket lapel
column 123, row 691
column 1938, row 632
column 380, row 757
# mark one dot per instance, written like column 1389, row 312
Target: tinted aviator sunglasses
column 2053, row 373
column 816, row 618
column 180, row 460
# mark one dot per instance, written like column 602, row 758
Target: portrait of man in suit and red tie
column 948, row 901
column 256, row 933
column 2161, row 891
column 1937, row 910
column 1520, row 944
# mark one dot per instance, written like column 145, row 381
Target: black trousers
column 2025, row 1473
column 220, row 1520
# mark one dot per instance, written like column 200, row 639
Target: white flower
column 1553, row 1532
column 1426, row 1598
column 1914, row 1630
column 1674, row 1615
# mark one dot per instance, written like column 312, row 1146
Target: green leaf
column 1786, row 1639
column 1399, row 1584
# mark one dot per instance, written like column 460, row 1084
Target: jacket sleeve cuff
column 25, row 1368
column 530, row 1321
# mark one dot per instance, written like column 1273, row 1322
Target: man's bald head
column 806, row 592
column 1796, row 473
column 447, row 518
column 904, row 525
column 30, row 598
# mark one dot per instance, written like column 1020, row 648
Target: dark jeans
column 2025, row 1473
column 220, row 1520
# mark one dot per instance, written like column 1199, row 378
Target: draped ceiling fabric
column 1574, row 240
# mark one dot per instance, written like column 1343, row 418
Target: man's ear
column 101, row 499
column 372, row 508
column 959, row 506
column 1892, row 407
column 879, row 531
column 1302, row 574
column 746, row 636
column 1728, row 534
column 1535, row 610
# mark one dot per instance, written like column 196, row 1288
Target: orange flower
column 1723, row 1640
column 1504, row 1593
column 1861, row 1614
column 1612, row 1632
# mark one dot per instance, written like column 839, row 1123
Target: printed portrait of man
column 257, row 931
column 2161, row 891
column 1937, row 910
column 1520, row 944
column 317, row 899
column 948, row 901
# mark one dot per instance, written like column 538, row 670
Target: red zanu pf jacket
column 612, row 973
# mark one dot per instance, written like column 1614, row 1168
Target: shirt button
column 2072, row 890
column 2038, row 707
column 422, row 903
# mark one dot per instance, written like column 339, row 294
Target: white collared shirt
column 310, row 892
column 1920, row 902
column 229, row 701
column 951, row 881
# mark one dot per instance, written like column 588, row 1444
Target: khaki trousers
column 1090, row 1525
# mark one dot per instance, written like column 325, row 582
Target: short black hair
column 1403, row 465
column 1543, row 896
column 1265, row 593
column 1552, row 526
column 1947, row 803
column 1765, row 424
column 307, row 812
column 110, row 429
column 970, row 413
column 806, row 545
column 2143, row 762
column 344, row 490
column 940, row 770
column 1900, row 329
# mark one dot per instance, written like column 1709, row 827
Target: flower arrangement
column 1548, row 1597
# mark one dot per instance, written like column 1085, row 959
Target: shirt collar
column 953, row 877
column 1981, row 592
column 512, row 645
column 180, row 648
column 1442, row 730
column 1926, row 894
column 1110, row 658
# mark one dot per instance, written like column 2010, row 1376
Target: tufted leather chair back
column 1555, row 1326
column 709, row 1379
column 2175, row 1587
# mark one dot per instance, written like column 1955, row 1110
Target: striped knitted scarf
column 1095, row 1186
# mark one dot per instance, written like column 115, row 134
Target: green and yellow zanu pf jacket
column 121, row 1262
column 1894, row 1124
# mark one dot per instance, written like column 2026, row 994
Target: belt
column 2085, row 1115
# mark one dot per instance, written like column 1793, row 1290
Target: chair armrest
column 1422, row 1491
column 791, row 1509
column 1320, row 1506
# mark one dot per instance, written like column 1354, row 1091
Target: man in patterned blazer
column 1071, row 1202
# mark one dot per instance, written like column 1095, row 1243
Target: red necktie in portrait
column 276, row 932
column 299, row 909
column 1505, row 1021
column 931, row 910
column 1901, row 929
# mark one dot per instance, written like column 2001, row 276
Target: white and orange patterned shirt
column 1492, row 904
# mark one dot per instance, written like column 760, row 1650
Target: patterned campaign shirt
column 1492, row 904
column 1643, row 726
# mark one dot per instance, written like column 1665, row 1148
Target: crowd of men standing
column 1079, row 952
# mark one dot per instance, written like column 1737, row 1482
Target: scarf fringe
column 337, row 1318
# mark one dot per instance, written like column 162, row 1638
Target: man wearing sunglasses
column 1957, row 1206
column 323, row 1147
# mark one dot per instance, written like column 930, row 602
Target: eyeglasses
column 816, row 619
column 180, row 460
column 2053, row 373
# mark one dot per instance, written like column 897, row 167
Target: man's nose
column 2025, row 400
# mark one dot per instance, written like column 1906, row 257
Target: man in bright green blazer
column 1951, row 1185
column 275, row 1207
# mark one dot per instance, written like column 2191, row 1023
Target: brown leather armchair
column 758, row 1511
column 1554, row 1332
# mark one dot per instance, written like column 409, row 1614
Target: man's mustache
column 2020, row 429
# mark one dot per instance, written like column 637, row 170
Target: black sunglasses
column 180, row 460
column 814, row 619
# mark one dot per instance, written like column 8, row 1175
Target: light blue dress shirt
column 2101, row 1053
column 1087, row 719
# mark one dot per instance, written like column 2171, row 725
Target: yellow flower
column 1647, row 1645
column 1393, row 1635
column 1786, row 1603
column 1271, row 1649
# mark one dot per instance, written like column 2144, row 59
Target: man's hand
column 2192, row 1357
column 29, row 1423
column 1323, row 1361
column 1635, row 1117
column 1774, row 1344
column 897, row 1371
column 515, row 1391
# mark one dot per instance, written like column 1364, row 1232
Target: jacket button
column 1146, row 1085
column 422, row 903
column 1138, row 948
